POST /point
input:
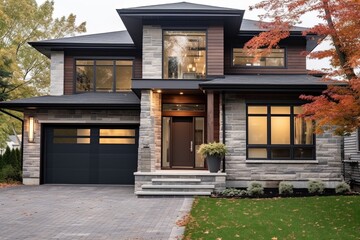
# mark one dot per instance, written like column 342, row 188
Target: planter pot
column 213, row 163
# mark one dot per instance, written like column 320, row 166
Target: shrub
column 8, row 174
column 286, row 188
column 255, row 189
column 316, row 187
column 342, row 187
column 233, row 192
column 213, row 149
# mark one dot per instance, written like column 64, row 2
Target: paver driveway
column 87, row 212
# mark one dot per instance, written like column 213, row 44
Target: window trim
column 108, row 58
column 260, row 67
column 179, row 29
column 270, row 146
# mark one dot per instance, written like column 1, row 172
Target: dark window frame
column 358, row 139
column 260, row 67
column 188, row 29
column 268, row 146
column 90, row 58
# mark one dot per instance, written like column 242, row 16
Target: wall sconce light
column 31, row 129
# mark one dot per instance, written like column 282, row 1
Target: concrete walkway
column 88, row 212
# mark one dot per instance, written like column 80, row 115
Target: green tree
column 24, row 72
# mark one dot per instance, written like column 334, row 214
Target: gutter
column 22, row 135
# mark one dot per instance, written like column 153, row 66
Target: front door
column 182, row 142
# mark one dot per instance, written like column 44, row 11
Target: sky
column 101, row 15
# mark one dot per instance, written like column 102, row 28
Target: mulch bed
column 8, row 185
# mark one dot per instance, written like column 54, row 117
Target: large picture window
column 184, row 55
column 103, row 75
column 276, row 58
column 277, row 133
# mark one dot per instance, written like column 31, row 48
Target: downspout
column 223, row 123
column 22, row 134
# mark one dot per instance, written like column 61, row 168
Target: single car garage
column 89, row 154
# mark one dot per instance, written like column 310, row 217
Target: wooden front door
column 182, row 142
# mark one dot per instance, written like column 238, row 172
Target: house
column 352, row 159
column 133, row 107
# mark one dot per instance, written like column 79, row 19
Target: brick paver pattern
column 85, row 212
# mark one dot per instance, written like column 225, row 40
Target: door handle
column 191, row 146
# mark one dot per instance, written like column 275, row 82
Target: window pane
column 257, row 109
column 280, row 153
column 124, row 63
column 280, row 110
column 59, row 140
column 117, row 141
column 184, row 55
column 298, row 110
column 257, row 153
column 199, row 139
column 71, row 132
column 84, row 62
column 166, row 142
column 123, row 77
column 84, row 78
column 257, row 130
column 304, row 153
column 280, row 130
column 104, row 78
column 303, row 131
column 104, row 62
column 276, row 58
column 117, row 132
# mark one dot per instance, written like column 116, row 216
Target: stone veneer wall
column 327, row 166
column 57, row 73
column 150, row 118
column 150, row 132
column 32, row 151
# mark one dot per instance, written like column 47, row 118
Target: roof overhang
column 46, row 47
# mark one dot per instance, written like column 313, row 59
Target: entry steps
column 176, row 187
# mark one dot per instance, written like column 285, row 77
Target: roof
column 92, row 100
column 118, row 37
column 300, row 83
column 182, row 6
column 253, row 26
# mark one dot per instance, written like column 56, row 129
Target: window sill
column 284, row 161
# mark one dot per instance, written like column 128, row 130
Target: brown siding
column 296, row 62
column 215, row 51
column 68, row 75
column 69, row 64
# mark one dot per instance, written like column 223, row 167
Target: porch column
column 210, row 116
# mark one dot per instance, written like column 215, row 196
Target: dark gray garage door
column 90, row 154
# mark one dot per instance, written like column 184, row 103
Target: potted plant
column 213, row 152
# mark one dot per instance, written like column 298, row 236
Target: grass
column 334, row 217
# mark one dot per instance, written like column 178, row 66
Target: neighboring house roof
column 301, row 83
column 97, row 100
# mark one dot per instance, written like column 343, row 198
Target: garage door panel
column 90, row 161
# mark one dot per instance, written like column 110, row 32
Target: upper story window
column 103, row 75
column 276, row 58
column 184, row 55
column 276, row 133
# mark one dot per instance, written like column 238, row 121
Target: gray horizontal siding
column 351, row 145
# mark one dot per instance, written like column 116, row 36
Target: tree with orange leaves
column 338, row 106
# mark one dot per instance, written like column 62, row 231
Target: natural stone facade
column 150, row 132
column 152, row 52
column 240, row 171
column 57, row 73
column 32, row 151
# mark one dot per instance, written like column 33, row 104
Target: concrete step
column 172, row 181
column 187, row 186
column 171, row 193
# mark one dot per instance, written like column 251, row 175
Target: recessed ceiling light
column 181, row 93
column 158, row 91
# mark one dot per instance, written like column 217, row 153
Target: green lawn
column 335, row 217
